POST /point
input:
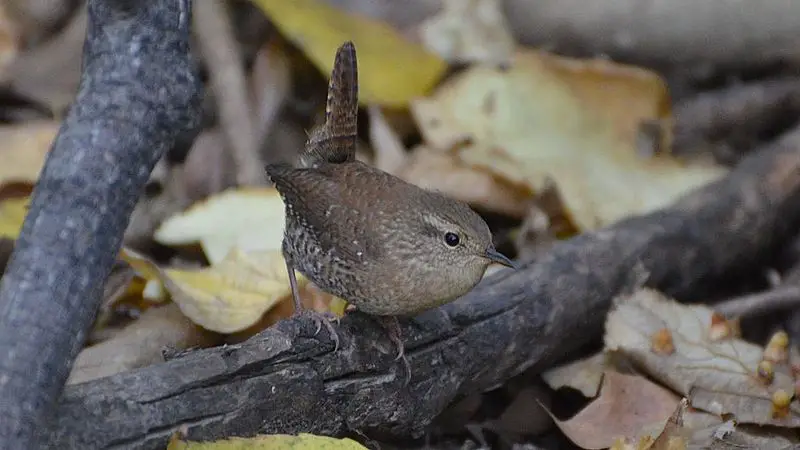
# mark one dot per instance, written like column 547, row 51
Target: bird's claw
column 393, row 331
column 402, row 356
column 325, row 318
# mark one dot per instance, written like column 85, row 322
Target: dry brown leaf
column 140, row 344
column 430, row 169
column 701, row 431
column 673, row 436
column 717, row 376
column 584, row 375
column 24, row 150
column 576, row 122
column 629, row 406
column 467, row 31
column 229, row 296
column 697, row 430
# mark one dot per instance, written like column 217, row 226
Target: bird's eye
column 451, row 239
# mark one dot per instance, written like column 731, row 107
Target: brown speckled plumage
column 385, row 246
column 377, row 241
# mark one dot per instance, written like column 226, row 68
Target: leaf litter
column 500, row 134
column 575, row 122
column 718, row 376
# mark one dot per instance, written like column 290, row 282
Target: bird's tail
column 335, row 141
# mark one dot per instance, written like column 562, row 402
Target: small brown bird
column 387, row 247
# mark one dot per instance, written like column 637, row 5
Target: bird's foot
column 323, row 318
column 392, row 327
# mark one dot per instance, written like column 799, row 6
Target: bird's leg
column 392, row 327
column 317, row 317
column 298, row 305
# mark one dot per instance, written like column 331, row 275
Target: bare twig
column 781, row 298
column 225, row 65
column 737, row 114
column 272, row 84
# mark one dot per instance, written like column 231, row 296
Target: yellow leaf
column 392, row 70
column 24, row 150
column 228, row 296
column 12, row 214
column 150, row 287
column 249, row 219
column 302, row 441
column 241, row 233
column 575, row 122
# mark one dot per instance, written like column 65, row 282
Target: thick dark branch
column 282, row 381
column 138, row 92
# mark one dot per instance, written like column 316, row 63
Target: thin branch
column 762, row 303
column 225, row 66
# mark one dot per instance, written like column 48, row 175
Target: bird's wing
column 319, row 202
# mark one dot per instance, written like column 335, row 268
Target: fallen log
column 285, row 380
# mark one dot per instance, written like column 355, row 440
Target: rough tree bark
column 283, row 381
column 138, row 94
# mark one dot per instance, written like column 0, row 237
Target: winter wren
column 387, row 247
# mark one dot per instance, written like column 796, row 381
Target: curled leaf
column 575, row 122
column 228, row 296
column 720, row 377
column 250, row 219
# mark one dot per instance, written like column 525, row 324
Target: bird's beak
column 495, row 256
